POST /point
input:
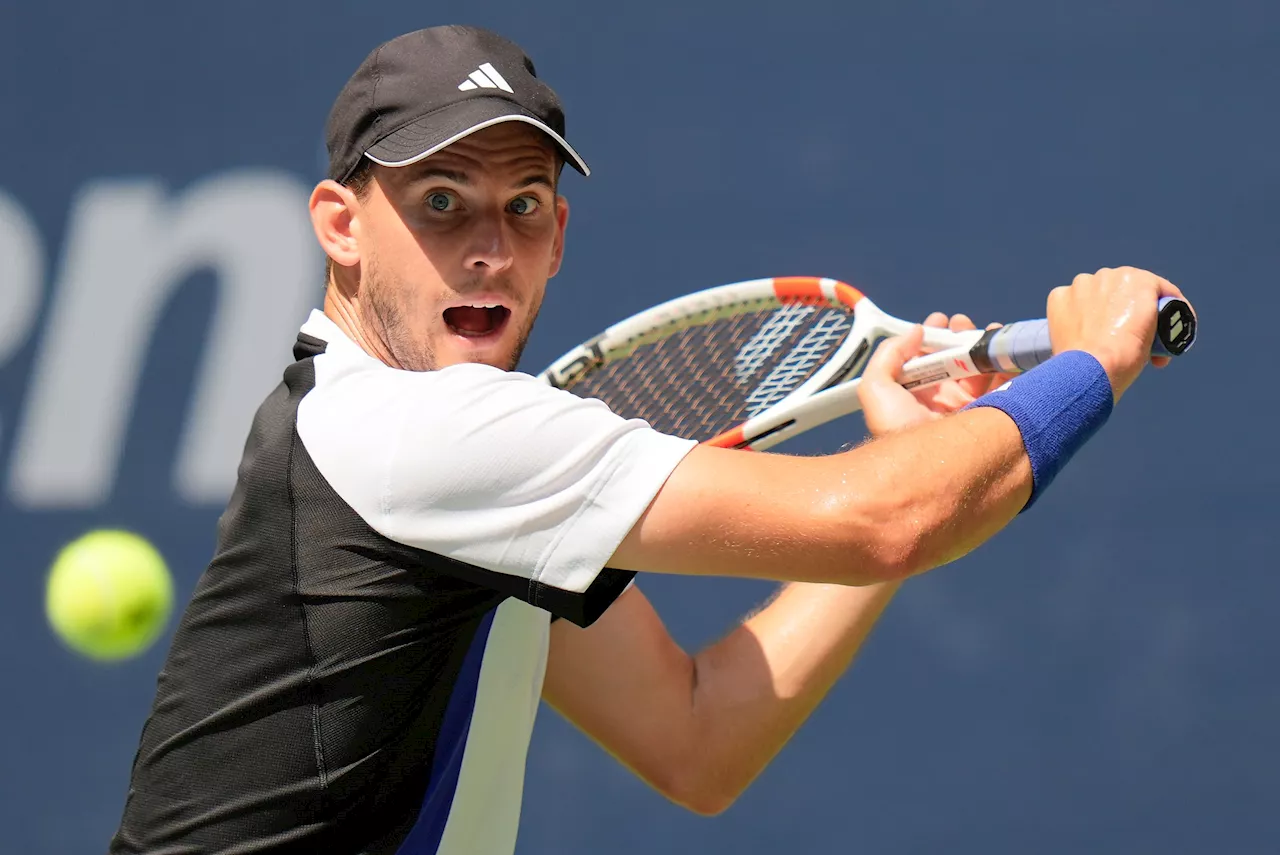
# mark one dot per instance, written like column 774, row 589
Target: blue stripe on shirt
column 424, row 837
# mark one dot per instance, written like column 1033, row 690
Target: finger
column 976, row 387
column 1160, row 361
column 960, row 323
column 980, row 385
column 886, row 363
column 884, row 402
column 995, row 381
column 937, row 319
column 1168, row 289
column 1060, row 296
column 944, row 398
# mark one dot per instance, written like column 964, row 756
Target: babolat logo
column 586, row 359
column 129, row 245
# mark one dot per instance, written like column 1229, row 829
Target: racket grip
column 1023, row 345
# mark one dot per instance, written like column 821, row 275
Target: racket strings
column 702, row 381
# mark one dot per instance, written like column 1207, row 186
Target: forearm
column 700, row 728
column 934, row 493
column 885, row 510
column 757, row 686
column 943, row 488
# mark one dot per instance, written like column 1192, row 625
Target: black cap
column 427, row 89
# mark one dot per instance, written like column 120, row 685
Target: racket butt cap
column 1175, row 328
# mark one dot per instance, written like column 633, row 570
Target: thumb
column 885, row 404
column 886, row 363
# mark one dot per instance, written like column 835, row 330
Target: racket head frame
column 870, row 324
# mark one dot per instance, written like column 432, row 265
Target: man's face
column 456, row 250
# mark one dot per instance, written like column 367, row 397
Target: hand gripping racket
column 752, row 364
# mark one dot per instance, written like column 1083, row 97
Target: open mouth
column 476, row 321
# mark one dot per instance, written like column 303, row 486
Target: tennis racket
column 753, row 364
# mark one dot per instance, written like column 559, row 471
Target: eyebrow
column 465, row 180
column 540, row 178
column 446, row 174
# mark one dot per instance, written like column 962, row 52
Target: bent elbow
column 710, row 807
column 699, row 783
column 702, row 799
column 900, row 554
column 881, row 543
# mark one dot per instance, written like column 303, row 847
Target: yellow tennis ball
column 109, row 595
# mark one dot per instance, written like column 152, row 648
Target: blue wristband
column 1057, row 406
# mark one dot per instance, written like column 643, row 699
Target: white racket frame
column 821, row 398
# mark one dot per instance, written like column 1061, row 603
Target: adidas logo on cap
column 485, row 77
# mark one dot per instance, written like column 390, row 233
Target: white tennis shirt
column 359, row 667
column 503, row 472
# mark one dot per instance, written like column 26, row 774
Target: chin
column 507, row 363
column 502, row 354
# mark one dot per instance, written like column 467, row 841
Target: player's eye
column 522, row 206
column 441, row 201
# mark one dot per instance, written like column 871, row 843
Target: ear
column 562, row 220
column 333, row 210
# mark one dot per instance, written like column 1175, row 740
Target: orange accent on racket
column 728, row 439
column 799, row 289
column 847, row 294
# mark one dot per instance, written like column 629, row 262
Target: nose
column 489, row 249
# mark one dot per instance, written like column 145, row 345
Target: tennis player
column 423, row 543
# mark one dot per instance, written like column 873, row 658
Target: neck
column 347, row 315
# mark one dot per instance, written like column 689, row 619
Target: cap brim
column 444, row 127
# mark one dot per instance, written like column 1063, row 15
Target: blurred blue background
column 1102, row 677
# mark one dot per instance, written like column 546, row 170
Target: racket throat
column 736, row 438
column 851, row 367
